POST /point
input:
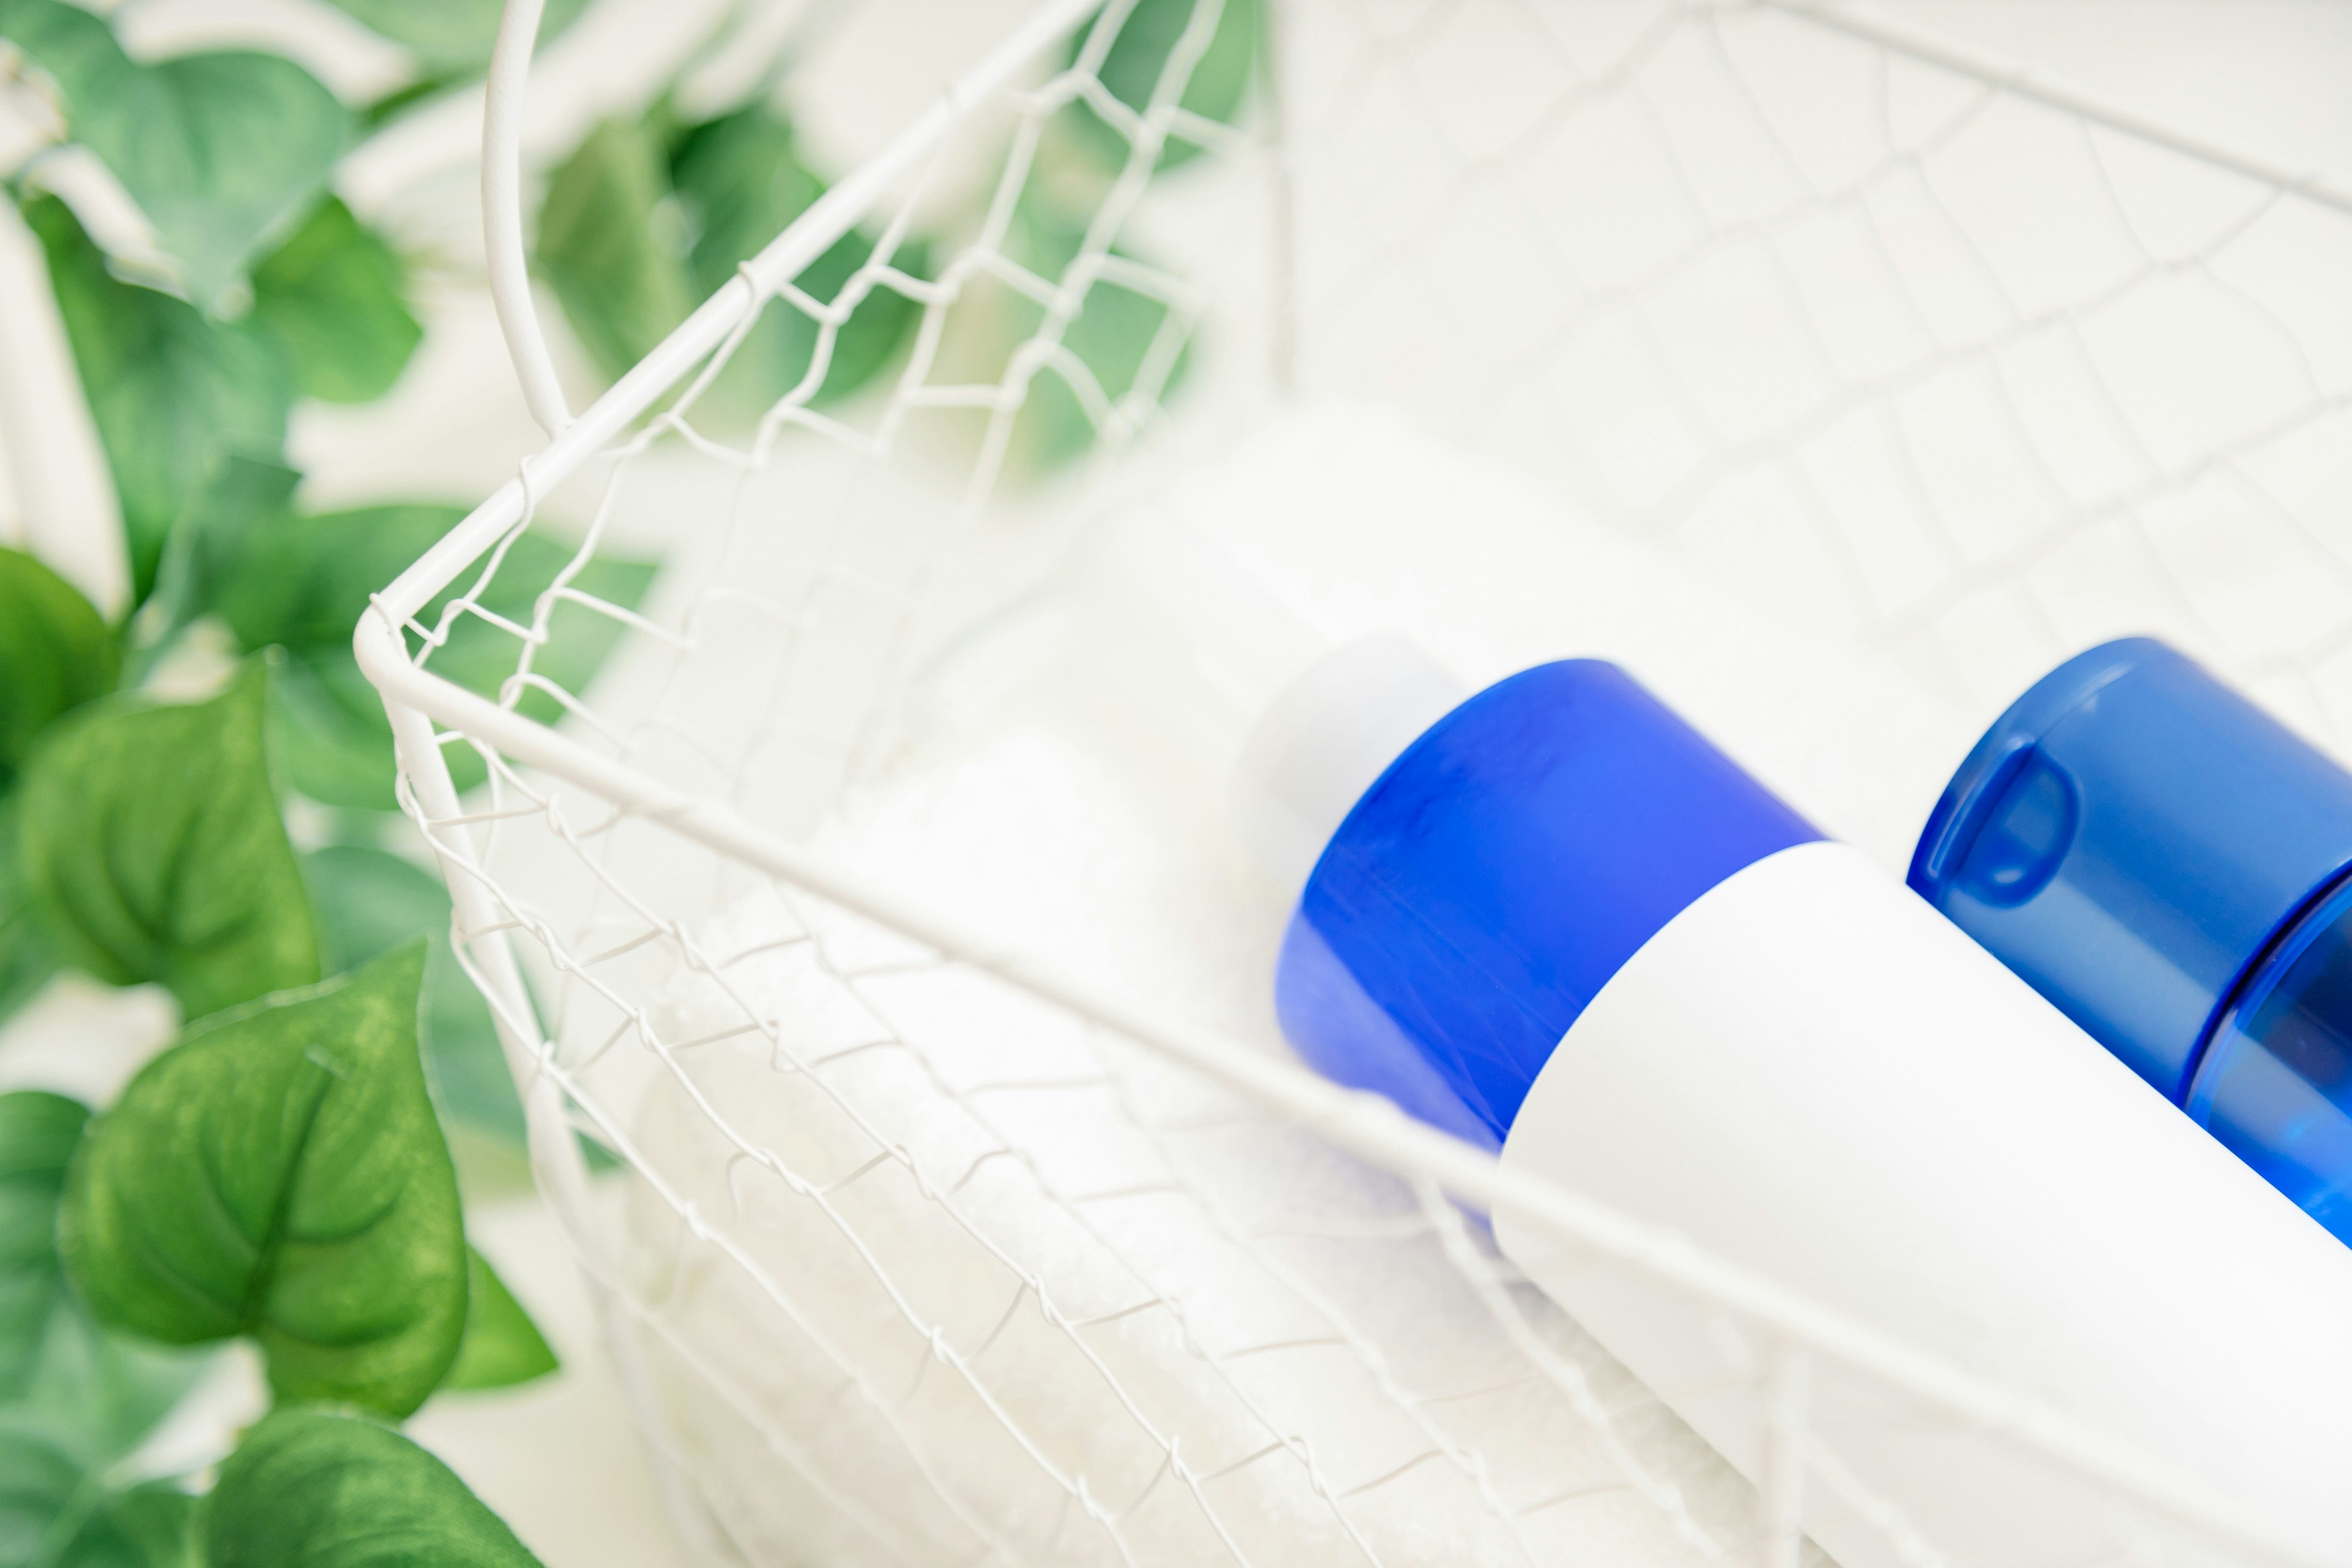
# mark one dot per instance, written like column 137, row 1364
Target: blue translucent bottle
column 2167, row 865
column 1551, row 918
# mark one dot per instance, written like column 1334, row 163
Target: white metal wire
column 502, row 215
column 795, row 1063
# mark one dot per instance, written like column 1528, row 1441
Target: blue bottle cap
column 2130, row 838
column 2275, row 1082
column 1496, row 874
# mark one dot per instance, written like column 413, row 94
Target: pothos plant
column 655, row 211
column 283, row 1172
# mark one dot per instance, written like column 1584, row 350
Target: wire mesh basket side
column 1970, row 366
column 928, row 1253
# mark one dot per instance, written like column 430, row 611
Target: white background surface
column 559, row 1460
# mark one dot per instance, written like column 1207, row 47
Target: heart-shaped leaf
column 503, row 1347
column 172, row 395
column 219, row 149
column 56, row 653
column 450, row 35
column 335, row 298
column 739, row 180
column 279, row 1173
column 325, row 1489
column 153, row 849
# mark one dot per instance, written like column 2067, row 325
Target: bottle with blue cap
column 1552, row 919
column 2169, row 865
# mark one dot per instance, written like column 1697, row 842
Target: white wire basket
column 929, row 1248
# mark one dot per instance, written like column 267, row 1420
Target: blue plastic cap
column 2129, row 837
column 1494, row 877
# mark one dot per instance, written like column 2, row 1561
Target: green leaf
column 39, row 1484
column 503, row 1347
column 370, row 901
column 740, row 182
column 448, row 35
column 279, row 1173
column 333, row 740
column 324, row 1488
column 219, row 149
column 335, row 300
column 54, row 1512
column 56, row 653
column 172, row 395
column 27, row 953
column 1112, row 337
column 379, row 112
column 154, row 852
column 64, row 1381
column 152, row 1526
column 202, row 552
column 27, row 957
column 37, row 1134
column 602, row 245
column 304, row 585
column 1217, row 88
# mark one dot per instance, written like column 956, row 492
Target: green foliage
column 369, row 901
column 37, row 1134
column 739, row 181
column 1217, row 90
column 219, row 149
column 151, row 847
column 450, row 37
column 1112, row 336
column 279, row 1173
column 27, row 957
column 333, row 740
column 335, row 300
column 173, row 396
column 94, row 1394
column 55, row 1514
column 623, row 289
column 205, row 546
column 303, row 586
column 65, row 1383
column 326, row 1489
column 646, row 220
column 56, row 653
column 503, row 1347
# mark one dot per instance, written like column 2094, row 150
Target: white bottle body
column 1810, row 1072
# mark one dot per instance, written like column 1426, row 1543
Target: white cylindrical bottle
column 1553, row 918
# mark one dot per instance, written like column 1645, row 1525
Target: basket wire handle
column 502, row 214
